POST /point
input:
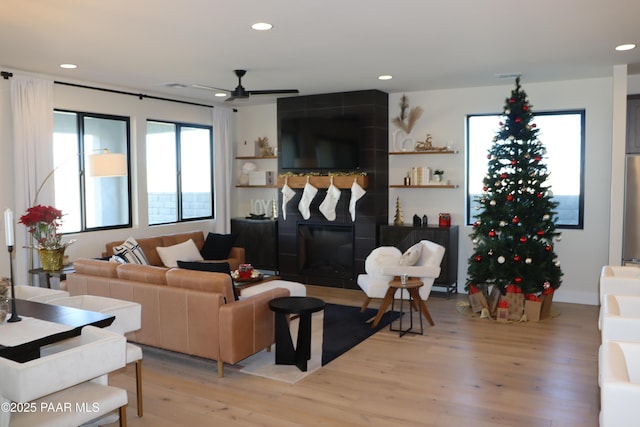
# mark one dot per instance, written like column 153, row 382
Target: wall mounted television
column 320, row 144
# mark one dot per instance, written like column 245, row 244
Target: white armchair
column 619, row 383
column 620, row 318
column 620, row 280
column 383, row 264
column 128, row 319
column 72, row 377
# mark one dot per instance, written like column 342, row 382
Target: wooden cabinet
column 259, row 238
column 403, row 237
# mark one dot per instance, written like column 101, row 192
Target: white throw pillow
column 381, row 257
column 412, row 255
column 185, row 251
column 130, row 252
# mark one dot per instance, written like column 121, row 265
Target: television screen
column 320, row 143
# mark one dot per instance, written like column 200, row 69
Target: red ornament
column 475, row 224
column 511, row 100
column 525, row 108
column 485, row 188
column 518, row 120
column 488, row 156
column 537, row 158
column 514, row 161
column 518, row 279
column 523, row 239
column 509, row 197
column 478, row 258
column 515, row 220
column 492, row 233
column 503, row 175
column 534, row 125
column 539, row 195
column 548, row 248
column 516, row 258
column 540, row 233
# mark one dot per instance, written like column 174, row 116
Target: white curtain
column 222, row 156
column 32, row 113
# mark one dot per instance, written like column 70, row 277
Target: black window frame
column 178, row 126
column 469, row 215
column 80, row 116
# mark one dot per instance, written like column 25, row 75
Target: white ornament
column 501, row 260
column 490, row 252
column 492, row 203
column 546, row 217
column 557, row 263
column 528, row 261
column 558, row 238
column 503, row 223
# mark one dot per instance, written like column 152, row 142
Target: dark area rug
column 344, row 327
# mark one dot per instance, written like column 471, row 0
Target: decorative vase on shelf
column 51, row 259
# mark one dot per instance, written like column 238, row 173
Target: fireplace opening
column 325, row 250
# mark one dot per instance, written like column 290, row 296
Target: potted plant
column 43, row 222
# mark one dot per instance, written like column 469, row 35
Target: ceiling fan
column 241, row 93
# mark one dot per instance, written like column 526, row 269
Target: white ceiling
column 317, row 46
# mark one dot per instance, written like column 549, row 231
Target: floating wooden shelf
column 424, row 186
column 340, row 181
column 397, row 153
column 255, row 157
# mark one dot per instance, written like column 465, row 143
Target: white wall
column 71, row 98
column 581, row 252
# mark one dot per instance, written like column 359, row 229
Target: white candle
column 8, row 226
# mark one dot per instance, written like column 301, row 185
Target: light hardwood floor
column 461, row 372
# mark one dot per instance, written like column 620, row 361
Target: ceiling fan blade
column 272, row 92
column 215, row 89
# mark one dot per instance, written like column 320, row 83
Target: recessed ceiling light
column 68, row 66
column 385, row 77
column 627, row 46
column 262, row 26
column 220, row 94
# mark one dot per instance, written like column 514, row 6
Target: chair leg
column 139, row 385
column 365, row 305
column 122, row 412
column 220, row 369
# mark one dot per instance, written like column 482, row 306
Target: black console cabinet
column 403, row 237
column 259, row 238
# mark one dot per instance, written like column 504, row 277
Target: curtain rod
column 6, row 75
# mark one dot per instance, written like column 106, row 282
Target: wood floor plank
column 461, row 372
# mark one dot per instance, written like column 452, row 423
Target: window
column 562, row 134
column 179, row 172
column 90, row 203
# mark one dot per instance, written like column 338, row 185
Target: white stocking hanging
column 328, row 205
column 356, row 193
column 308, row 194
column 287, row 195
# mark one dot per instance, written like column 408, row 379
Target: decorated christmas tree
column 514, row 230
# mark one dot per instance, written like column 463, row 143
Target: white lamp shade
column 107, row 164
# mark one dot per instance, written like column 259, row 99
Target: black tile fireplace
column 325, row 250
column 342, row 244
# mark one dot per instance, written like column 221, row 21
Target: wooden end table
column 303, row 307
column 413, row 285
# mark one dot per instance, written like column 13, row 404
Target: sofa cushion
column 201, row 281
column 94, row 267
column 142, row 273
column 185, row 251
column 131, row 252
column 215, row 267
column 217, row 246
column 411, row 255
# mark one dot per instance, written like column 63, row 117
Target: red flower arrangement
column 43, row 222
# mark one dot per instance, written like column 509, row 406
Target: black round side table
column 303, row 307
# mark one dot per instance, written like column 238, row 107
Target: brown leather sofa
column 149, row 245
column 191, row 312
